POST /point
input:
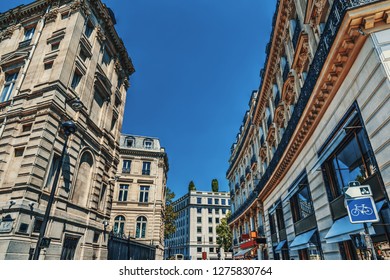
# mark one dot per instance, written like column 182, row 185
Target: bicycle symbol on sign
column 361, row 209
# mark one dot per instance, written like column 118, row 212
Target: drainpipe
column 25, row 68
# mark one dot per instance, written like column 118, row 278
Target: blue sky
column 197, row 62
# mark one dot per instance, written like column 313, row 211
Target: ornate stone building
column 56, row 54
column 318, row 121
column 140, row 188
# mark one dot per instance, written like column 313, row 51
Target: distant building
column 139, row 195
column 199, row 213
column 319, row 119
column 54, row 55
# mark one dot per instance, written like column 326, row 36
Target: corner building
column 52, row 54
column 139, row 195
column 318, row 121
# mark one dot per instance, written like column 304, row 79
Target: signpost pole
column 371, row 244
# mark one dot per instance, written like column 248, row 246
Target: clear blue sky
column 197, row 62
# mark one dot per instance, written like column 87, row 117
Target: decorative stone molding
column 100, row 34
column 51, row 16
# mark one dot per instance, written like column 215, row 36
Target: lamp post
column 69, row 128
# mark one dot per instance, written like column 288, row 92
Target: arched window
column 83, row 180
column 140, row 231
column 130, row 142
column 119, row 224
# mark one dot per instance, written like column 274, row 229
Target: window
column 130, row 142
column 199, row 229
column 210, row 229
column 53, row 167
column 210, row 210
column 69, row 248
column 223, row 201
column 199, row 220
column 96, row 236
column 351, row 161
column 106, row 59
column 19, row 152
column 123, row 189
column 199, row 210
column 55, row 46
column 140, row 231
column 198, row 200
column 76, row 80
column 223, row 211
column 119, row 224
column 126, row 166
column 210, row 220
column 216, row 201
column 210, row 239
column 102, row 197
column 144, row 194
column 28, row 34
column 211, row 250
column 148, row 143
column 146, row 168
column 83, row 55
column 48, row 65
column 301, row 203
column 37, row 225
column 199, row 249
column 210, row 201
column 199, row 240
column 88, row 29
column 217, row 221
column 10, row 79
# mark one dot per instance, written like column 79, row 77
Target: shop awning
column 278, row 248
column 342, row 228
column 302, row 241
column 241, row 253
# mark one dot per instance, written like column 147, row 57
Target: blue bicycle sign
column 362, row 210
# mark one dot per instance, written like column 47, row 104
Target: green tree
column 214, row 185
column 169, row 214
column 224, row 234
column 191, row 186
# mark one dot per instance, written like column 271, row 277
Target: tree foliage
column 191, row 186
column 224, row 234
column 214, row 185
column 169, row 214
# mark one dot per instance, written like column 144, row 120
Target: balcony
column 24, row 43
column 297, row 32
column 237, row 187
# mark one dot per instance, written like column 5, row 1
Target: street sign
column 357, row 191
column 362, row 210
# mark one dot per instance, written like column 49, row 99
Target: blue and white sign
column 362, row 210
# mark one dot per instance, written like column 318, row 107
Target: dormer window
column 129, row 142
column 148, row 144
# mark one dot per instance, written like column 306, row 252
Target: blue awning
column 242, row 253
column 342, row 228
column 302, row 241
column 278, row 248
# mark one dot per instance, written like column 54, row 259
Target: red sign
column 244, row 236
column 204, row 255
column 248, row 244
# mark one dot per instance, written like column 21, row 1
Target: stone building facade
column 199, row 214
column 318, row 121
column 55, row 54
column 140, row 188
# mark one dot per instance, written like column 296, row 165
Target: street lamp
column 69, row 128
